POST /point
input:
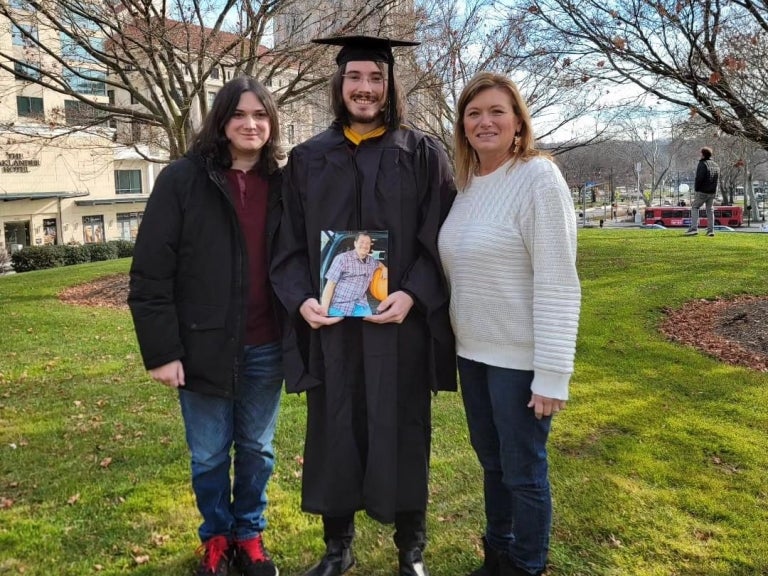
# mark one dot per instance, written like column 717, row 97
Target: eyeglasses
column 373, row 79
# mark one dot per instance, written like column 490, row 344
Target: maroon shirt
column 249, row 192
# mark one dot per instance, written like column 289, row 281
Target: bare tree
column 657, row 147
column 143, row 66
column 597, row 173
column 462, row 38
column 706, row 56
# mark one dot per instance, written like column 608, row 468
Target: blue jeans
column 213, row 424
column 511, row 445
column 360, row 311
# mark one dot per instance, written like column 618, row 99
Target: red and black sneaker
column 215, row 557
column 252, row 558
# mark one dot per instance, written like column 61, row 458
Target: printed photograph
column 353, row 271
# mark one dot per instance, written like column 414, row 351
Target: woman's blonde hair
column 466, row 158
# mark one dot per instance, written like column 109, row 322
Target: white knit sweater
column 509, row 250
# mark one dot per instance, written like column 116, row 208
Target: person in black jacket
column 705, row 190
column 368, row 380
column 206, row 319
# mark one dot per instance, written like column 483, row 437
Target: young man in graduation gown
column 368, row 380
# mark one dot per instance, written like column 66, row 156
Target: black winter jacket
column 707, row 175
column 189, row 277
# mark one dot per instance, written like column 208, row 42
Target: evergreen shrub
column 75, row 254
column 124, row 248
column 101, row 252
column 35, row 258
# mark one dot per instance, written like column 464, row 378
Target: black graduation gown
column 368, row 385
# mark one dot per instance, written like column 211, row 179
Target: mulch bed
column 734, row 331
column 105, row 292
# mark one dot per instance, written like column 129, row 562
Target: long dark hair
column 339, row 109
column 211, row 142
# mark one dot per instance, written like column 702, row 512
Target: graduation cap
column 370, row 49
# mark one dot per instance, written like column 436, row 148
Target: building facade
column 65, row 175
column 57, row 184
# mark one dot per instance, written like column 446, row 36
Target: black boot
column 490, row 565
column 410, row 539
column 507, row 568
column 337, row 560
column 412, row 563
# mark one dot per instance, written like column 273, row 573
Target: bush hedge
column 35, row 258
column 100, row 252
column 40, row 257
column 124, row 248
column 74, row 254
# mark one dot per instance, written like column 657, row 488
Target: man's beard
column 367, row 118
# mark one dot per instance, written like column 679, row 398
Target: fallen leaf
column 159, row 539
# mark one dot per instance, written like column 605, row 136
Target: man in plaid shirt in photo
column 348, row 279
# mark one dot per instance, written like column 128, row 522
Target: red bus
column 673, row 216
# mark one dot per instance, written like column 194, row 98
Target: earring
column 517, row 143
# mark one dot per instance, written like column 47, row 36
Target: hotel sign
column 16, row 163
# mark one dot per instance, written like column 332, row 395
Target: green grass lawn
column 658, row 465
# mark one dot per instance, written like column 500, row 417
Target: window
column 22, row 39
column 93, row 229
column 72, row 50
column 76, row 112
column 50, row 236
column 127, row 181
column 86, row 81
column 24, row 72
column 211, row 98
column 29, row 107
column 289, row 133
column 214, row 73
column 135, row 132
column 128, row 224
column 80, row 23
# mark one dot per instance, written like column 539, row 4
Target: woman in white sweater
column 508, row 248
